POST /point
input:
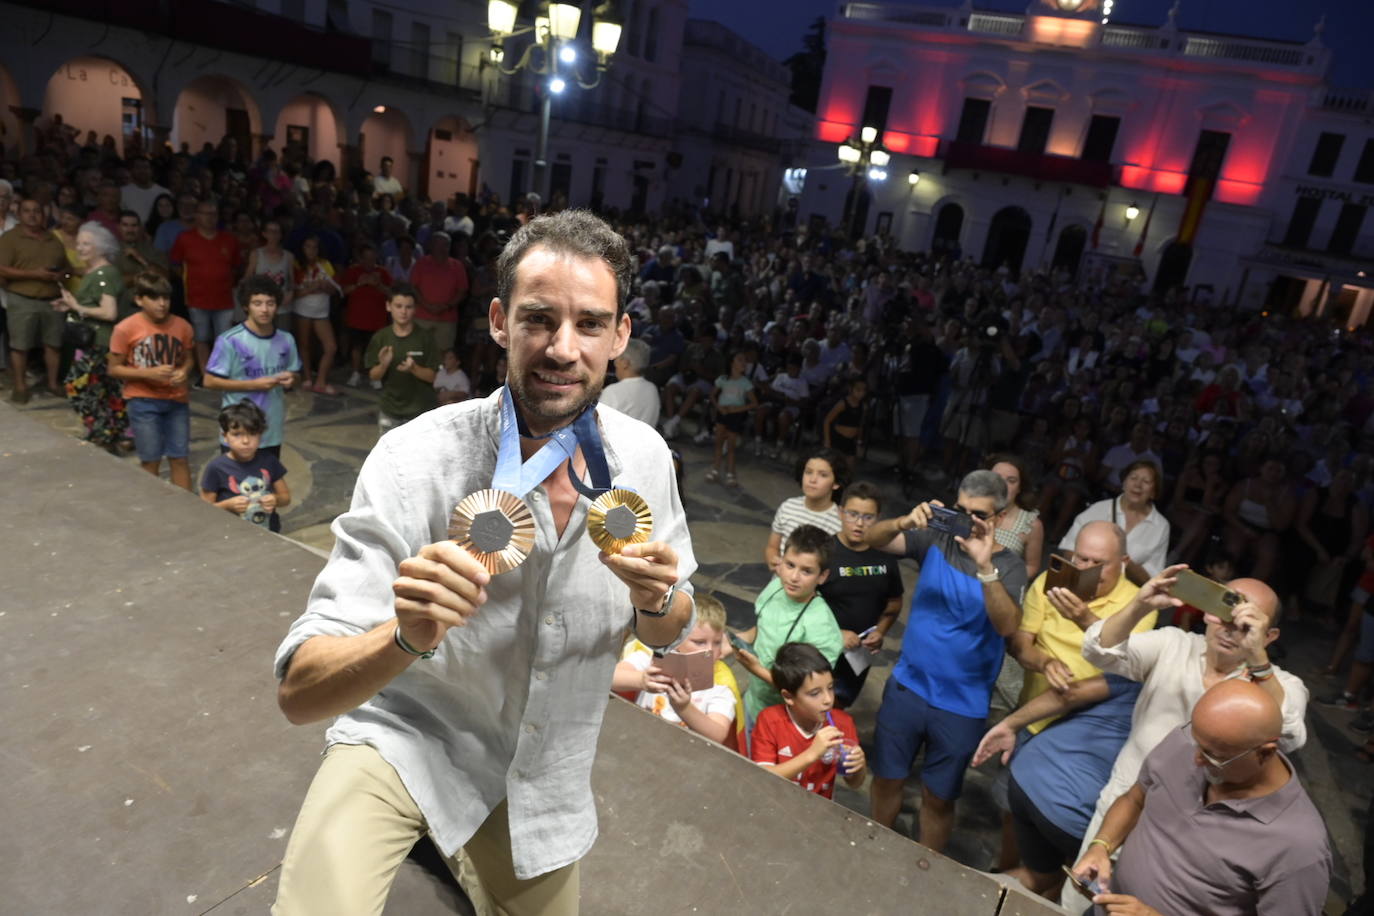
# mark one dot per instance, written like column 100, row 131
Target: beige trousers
column 355, row 828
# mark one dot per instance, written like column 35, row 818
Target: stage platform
column 147, row 769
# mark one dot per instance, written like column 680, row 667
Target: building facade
column 1055, row 138
column 734, row 134
column 351, row 82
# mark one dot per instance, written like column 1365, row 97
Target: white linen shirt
column 1147, row 543
column 510, row 705
column 1169, row 663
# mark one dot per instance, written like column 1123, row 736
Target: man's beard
column 545, row 409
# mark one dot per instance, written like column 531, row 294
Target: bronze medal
column 617, row 518
column 496, row 527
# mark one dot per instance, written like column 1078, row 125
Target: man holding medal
column 467, row 652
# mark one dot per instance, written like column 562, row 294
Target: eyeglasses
column 981, row 516
column 865, row 517
column 1213, row 762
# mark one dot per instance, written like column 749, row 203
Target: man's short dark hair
column 862, row 489
column 134, row 213
column 402, row 289
column 149, row 285
column 244, row 415
column 261, row 285
column 576, row 232
column 794, row 663
column 810, row 539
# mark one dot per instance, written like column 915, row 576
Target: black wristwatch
column 662, row 608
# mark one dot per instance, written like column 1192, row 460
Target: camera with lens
column 989, row 329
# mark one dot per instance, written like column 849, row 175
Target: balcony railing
column 1040, row 166
column 1128, row 39
column 1251, row 51
column 993, row 24
column 1355, row 101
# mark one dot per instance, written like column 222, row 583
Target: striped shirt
column 793, row 513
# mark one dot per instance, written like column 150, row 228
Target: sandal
column 325, row 389
column 712, row 475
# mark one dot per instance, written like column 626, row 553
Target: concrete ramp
column 146, row 769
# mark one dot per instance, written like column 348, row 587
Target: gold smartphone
column 1207, row 595
column 1081, row 581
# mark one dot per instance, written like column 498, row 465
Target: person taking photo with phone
column 965, row 605
column 1175, row 668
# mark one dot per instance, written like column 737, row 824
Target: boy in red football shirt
column 805, row 738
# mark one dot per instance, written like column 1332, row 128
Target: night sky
column 777, row 26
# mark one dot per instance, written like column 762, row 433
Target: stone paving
column 327, row 439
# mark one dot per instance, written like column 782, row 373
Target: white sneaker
column 702, row 437
column 355, row 379
column 670, row 427
column 377, row 383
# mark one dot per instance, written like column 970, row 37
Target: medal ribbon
column 519, row 478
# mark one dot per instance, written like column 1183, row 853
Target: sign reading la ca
column 1348, row 197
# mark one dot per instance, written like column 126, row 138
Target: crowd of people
column 1116, row 427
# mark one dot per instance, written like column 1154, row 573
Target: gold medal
column 617, row 518
column 494, row 526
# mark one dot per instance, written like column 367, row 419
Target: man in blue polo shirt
column 1058, row 773
column 966, row 603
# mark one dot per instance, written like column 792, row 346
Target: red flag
column 1097, row 227
column 1140, row 244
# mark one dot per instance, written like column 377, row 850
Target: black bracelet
column 408, row 648
column 663, row 608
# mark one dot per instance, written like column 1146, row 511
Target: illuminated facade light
column 869, row 134
column 880, row 158
column 567, row 54
column 877, row 174
column 849, row 153
column 557, row 85
column 1132, row 211
column 913, row 179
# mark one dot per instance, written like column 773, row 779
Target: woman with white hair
column 94, row 395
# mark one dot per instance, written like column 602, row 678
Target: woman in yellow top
column 68, row 225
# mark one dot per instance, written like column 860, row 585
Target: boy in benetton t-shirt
column 151, row 353
column 805, row 738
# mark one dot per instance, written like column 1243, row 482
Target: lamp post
column 864, row 160
column 555, row 33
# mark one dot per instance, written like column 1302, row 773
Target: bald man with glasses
column 1216, row 823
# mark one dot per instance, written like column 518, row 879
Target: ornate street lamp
column 555, row 34
column 864, row 160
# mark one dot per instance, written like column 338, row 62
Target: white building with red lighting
column 1055, row 138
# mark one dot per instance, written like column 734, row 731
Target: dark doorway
column 236, row 125
column 1007, row 238
column 856, row 214
column 1284, row 295
column 639, row 202
column 949, row 223
column 560, row 182
column 1173, row 267
column 1069, row 251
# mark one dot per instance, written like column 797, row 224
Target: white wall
column 88, row 93
column 312, row 112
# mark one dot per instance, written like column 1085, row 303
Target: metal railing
column 1121, row 38
column 994, row 24
column 1141, row 39
column 1250, row 51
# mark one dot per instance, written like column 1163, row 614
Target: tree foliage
column 808, row 66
